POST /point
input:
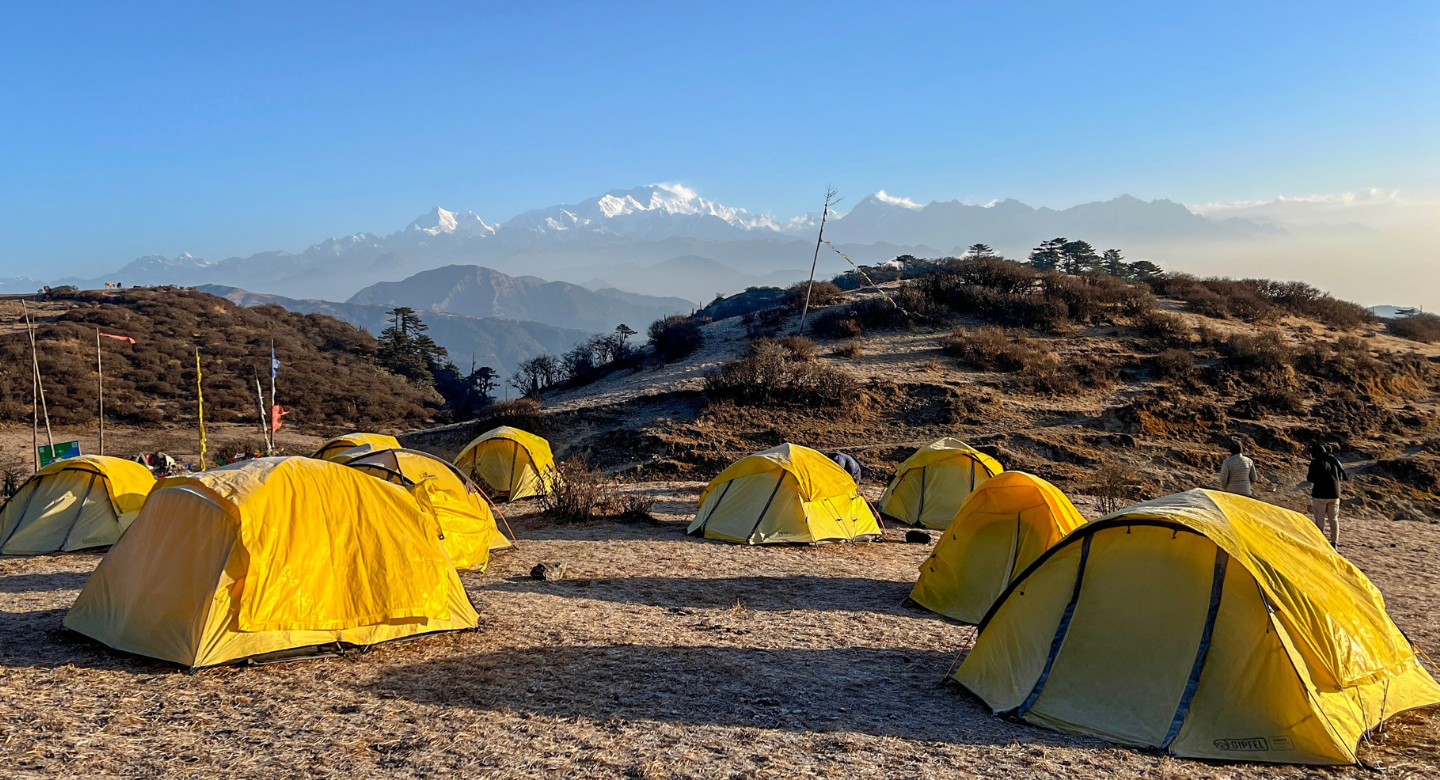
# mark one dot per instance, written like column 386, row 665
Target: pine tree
column 1113, row 263
column 1048, row 255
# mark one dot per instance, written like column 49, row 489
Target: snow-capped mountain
column 438, row 221
column 655, row 212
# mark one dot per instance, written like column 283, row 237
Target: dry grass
column 662, row 656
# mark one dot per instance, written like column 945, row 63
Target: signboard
column 61, row 451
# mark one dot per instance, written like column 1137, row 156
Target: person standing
column 1325, row 475
column 1237, row 473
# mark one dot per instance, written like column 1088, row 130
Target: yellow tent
column 464, row 514
column 787, row 493
column 930, row 485
column 270, row 558
column 1206, row 624
column 339, row 444
column 510, row 462
column 1001, row 529
column 74, row 504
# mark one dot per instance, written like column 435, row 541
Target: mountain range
column 665, row 239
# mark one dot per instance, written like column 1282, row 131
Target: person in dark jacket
column 848, row 463
column 1325, row 476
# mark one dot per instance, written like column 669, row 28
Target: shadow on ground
column 843, row 594
column 34, row 583
column 890, row 692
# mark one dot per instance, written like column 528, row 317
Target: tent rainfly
column 74, row 504
column 931, row 484
column 513, row 464
column 339, row 444
column 785, row 494
column 1000, row 530
column 272, row 558
column 464, row 514
column 1204, row 624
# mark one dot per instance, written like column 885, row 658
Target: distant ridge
column 484, row 292
column 499, row 343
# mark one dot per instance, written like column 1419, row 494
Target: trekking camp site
column 971, row 519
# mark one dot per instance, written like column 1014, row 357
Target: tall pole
column 35, row 418
column 100, row 387
column 39, row 383
column 200, row 406
column 264, row 423
column 830, row 194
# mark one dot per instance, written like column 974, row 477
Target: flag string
column 869, row 281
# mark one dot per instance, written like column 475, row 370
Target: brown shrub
column 676, row 337
column 1115, row 487
column 993, row 349
column 1176, row 365
column 800, row 347
column 580, row 493
column 1163, row 326
column 1424, row 328
column 523, row 413
column 850, row 349
column 773, row 375
column 1266, row 354
column 821, row 294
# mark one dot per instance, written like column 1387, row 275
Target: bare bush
column 774, row 374
column 993, row 349
column 1114, row 487
column 1176, row 365
column 676, row 337
column 1421, row 327
column 821, row 294
column 850, row 349
column 1163, row 326
column 579, row 493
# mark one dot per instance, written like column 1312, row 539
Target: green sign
column 61, row 451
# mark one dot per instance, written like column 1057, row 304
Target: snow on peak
column 885, row 197
column 438, row 221
column 653, row 211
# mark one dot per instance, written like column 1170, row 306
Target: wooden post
column 100, row 386
column 830, row 194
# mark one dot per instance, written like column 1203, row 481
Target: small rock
column 917, row 537
column 549, row 571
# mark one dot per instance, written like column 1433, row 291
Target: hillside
column 489, row 341
column 1151, row 396
column 484, row 292
column 327, row 375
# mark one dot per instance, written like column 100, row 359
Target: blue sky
column 130, row 130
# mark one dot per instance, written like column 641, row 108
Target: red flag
column 275, row 414
column 118, row 338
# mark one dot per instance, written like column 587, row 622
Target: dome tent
column 267, row 558
column 339, row 444
column 512, row 463
column 1000, row 530
column 1205, row 624
column 787, row 493
column 74, row 504
column 931, row 484
column 464, row 514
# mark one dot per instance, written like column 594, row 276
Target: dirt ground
column 660, row 656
